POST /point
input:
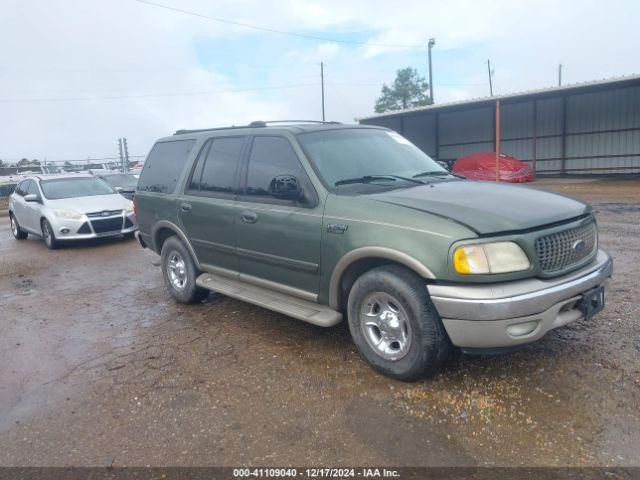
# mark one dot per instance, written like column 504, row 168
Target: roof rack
column 257, row 123
column 261, row 123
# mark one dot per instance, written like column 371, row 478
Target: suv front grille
column 562, row 250
column 107, row 225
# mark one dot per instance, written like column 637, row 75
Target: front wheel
column 18, row 233
column 48, row 235
column 180, row 272
column 394, row 324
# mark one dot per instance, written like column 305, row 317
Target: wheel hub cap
column 177, row 271
column 385, row 325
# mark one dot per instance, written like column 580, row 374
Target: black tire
column 427, row 344
column 47, row 235
column 18, row 233
column 172, row 249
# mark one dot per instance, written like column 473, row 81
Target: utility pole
column 121, row 152
column 489, row 72
column 126, row 155
column 430, row 45
column 322, row 86
column 560, row 75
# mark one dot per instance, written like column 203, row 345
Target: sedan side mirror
column 31, row 197
column 286, row 187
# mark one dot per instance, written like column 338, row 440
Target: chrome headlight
column 129, row 210
column 483, row 258
column 68, row 214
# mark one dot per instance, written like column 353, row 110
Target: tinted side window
column 215, row 171
column 21, row 188
column 164, row 165
column 33, row 188
column 270, row 157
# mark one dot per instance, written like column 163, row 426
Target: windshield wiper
column 438, row 173
column 432, row 173
column 373, row 178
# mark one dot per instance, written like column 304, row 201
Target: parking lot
column 101, row 367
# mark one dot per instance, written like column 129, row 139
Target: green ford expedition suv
column 325, row 222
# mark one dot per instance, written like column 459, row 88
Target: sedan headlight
column 68, row 214
column 129, row 209
column 482, row 258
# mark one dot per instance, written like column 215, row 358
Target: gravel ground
column 100, row 366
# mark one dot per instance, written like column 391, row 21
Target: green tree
column 24, row 161
column 408, row 90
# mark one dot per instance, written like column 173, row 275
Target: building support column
column 497, row 140
column 563, row 152
column 534, row 145
column 436, row 137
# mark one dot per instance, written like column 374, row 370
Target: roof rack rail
column 254, row 124
column 261, row 123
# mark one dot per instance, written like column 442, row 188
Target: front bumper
column 83, row 229
column 514, row 313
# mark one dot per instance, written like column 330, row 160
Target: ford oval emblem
column 106, row 213
column 579, row 246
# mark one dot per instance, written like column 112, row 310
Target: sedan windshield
column 127, row 181
column 342, row 156
column 58, row 188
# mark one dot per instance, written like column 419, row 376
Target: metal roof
column 548, row 91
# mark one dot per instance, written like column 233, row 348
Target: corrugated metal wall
column 595, row 132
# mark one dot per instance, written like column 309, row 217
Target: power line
column 273, row 30
column 151, row 95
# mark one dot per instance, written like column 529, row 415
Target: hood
column 487, row 207
column 95, row 203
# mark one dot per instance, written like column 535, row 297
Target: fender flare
column 178, row 231
column 371, row 252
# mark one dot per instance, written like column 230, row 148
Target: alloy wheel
column 385, row 325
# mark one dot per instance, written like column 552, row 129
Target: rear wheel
column 394, row 324
column 48, row 235
column 180, row 272
column 18, row 233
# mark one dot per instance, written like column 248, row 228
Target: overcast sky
column 77, row 74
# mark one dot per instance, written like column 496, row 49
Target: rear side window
column 164, row 166
column 215, row 171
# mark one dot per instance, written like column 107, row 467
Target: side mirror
column 32, row 197
column 286, row 187
column 119, row 189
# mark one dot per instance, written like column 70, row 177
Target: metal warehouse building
column 575, row 129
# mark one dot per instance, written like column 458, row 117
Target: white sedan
column 68, row 207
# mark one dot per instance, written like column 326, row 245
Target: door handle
column 185, row 207
column 249, row 217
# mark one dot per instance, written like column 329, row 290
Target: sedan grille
column 107, row 225
column 562, row 250
column 104, row 213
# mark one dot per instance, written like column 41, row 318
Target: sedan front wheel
column 48, row 235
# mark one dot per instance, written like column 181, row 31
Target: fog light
column 520, row 329
column 64, row 230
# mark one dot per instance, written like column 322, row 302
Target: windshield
column 74, row 187
column 347, row 154
column 125, row 180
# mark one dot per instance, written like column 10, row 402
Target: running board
column 278, row 302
